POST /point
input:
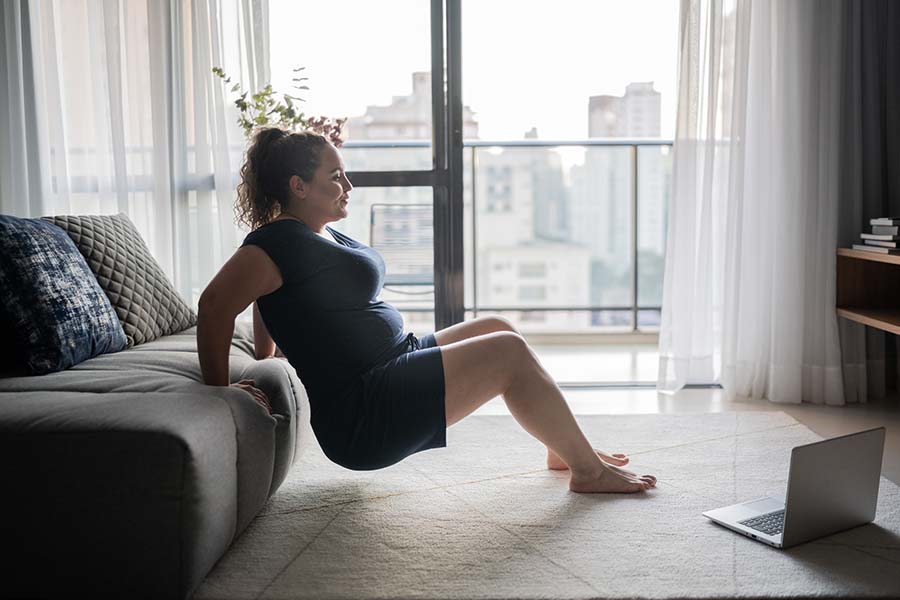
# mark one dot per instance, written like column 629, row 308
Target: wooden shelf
column 885, row 319
column 885, row 258
column 867, row 288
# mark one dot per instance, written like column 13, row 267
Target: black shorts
column 396, row 409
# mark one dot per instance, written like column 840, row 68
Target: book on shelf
column 885, row 221
column 881, row 244
column 878, row 249
column 886, row 229
column 879, row 237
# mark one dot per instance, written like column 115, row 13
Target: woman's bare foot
column 556, row 463
column 610, row 479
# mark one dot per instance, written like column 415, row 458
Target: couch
column 125, row 476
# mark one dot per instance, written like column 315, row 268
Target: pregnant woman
column 377, row 394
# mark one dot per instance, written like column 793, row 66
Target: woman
column 376, row 395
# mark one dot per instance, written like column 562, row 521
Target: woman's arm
column 247, row 275
column 263, row 343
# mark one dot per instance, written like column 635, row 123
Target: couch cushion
column 136, row 493
column 49, row 300
column 170, row 365
column 255, row 434
column 146, row 302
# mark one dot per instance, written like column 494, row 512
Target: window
column 532, row 316
column 393, row 73
column 531, row 293
column 532, row 270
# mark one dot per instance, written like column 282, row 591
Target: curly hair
column 274, row 156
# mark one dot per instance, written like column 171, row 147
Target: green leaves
column 264, row 104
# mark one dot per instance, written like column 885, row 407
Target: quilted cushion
column 146, row 302
column 50, row 303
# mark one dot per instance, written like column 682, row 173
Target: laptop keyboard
column 770, row 524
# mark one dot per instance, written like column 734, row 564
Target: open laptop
column 832, row 486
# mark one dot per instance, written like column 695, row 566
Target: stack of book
column 884, row 238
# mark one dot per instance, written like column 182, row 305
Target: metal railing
column 473, row 146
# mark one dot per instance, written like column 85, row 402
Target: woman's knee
column 481, row 368
column 501, row 349
column 514, row 347
column 498, row 323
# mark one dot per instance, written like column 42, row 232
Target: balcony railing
column 609, row 199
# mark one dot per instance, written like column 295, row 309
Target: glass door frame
column 446, row 174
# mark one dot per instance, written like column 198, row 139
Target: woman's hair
column 274, row 156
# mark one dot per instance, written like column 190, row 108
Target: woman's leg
column 501, row 363
column 484, row 325
column 472, row 328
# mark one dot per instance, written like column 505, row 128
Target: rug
column 483, row 518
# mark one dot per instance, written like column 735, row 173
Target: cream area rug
column 483, row 518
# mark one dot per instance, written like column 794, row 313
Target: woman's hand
column 258, row 395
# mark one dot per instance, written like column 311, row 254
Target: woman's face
column 328, row 194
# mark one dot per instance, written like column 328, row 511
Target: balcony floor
column 604, row 364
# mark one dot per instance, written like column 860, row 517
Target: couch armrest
column 290, row 404
column 129, row 495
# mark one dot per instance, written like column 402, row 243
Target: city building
column 636, row 114
column 405, row 118
column 537, row 273
column 521, row 231
column 600, row 208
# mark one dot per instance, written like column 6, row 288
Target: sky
column 526, row 63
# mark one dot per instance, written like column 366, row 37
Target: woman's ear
column 298, row 186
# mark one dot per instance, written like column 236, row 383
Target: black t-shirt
column 326, row 317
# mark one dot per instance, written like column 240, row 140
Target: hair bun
column 263, row 142
column 267, row 137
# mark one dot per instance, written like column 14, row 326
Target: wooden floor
column 632, row 363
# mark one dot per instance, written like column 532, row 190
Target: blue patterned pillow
column 50, row 300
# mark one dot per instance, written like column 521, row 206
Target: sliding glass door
column 542, row 197
column 393, row 69
column 571, row 162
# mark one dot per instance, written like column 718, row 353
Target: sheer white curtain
column 19, row 157
column 114, row 108
column 749, row 288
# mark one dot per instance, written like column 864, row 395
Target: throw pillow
column 50, row 302
column 148, row 305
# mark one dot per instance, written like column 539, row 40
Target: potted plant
column 264, row 109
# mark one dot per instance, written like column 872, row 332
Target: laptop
column 832, row 486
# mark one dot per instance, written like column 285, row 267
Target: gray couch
column 125, row 476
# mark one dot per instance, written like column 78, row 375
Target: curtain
column 749, row 284
column 113, row 107
column 870, row 173
column 20, row 182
